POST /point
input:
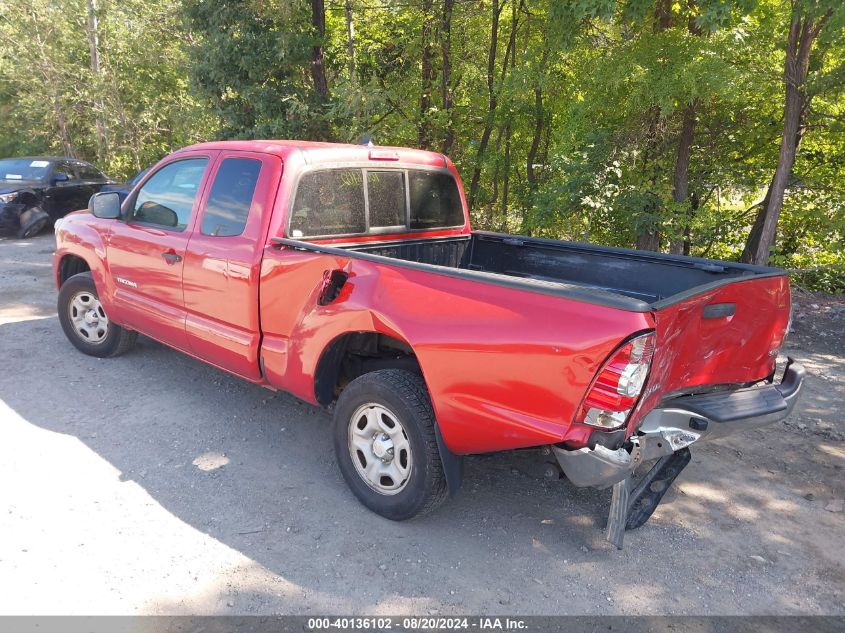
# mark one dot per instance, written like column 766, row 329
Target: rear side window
column 329, row 203
column 227, row 209
column 386, row 198
column 167, row 198
column 435, row 200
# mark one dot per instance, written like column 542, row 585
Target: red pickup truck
column 349, row 277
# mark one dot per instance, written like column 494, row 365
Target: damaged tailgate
column 727, row 335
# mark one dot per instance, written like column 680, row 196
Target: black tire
column 32, row 222
column 116, row 339
column 405, row 395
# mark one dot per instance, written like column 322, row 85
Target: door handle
column 171, row 257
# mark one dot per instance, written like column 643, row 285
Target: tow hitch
column 630, row 509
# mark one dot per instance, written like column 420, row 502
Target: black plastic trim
column 711, row 265
column 555, row 289
column 793, row 376
column 721, row 407
column 731, row 272
column 453, row 465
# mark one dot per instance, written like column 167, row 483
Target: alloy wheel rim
column 88, row 317
column 380, row 448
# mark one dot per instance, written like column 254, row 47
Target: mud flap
column 453, row 465
column 630, row 509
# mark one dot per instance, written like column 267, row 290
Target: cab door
column 146, row 251
column 62, row 194
column 223, row 260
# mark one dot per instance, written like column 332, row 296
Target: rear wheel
column 385, row 444
column 85, row 322
column 32, row 222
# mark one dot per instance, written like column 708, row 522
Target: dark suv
column 38, row 190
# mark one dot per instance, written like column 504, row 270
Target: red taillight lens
column 619, row 383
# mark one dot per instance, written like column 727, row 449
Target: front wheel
column 85, row 322
column 385, row 444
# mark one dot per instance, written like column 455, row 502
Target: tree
column 807, row 19
column 626, row 122
column 318, row 68
column 425, row 140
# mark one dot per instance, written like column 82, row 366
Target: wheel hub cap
column 380, row 449
column 88, row 317
column 383, row 447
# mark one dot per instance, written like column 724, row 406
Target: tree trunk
column 662, row 15
column 424, row 137
column 802, row 35
column 649, row 240
column 507, row 184
column 318, row 67
column 680, row 182
column 539, row 121
column 649, row 237
column 61, row 123
column 50, row 76
column 491, row 101
column 350, row 39
column 446, row 87
column 94, row 48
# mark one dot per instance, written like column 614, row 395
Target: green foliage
column 583, row 114
column 50, row 98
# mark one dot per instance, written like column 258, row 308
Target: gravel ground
column 155, row 484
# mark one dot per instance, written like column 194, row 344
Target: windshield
column 24, row 169
column 137, row 177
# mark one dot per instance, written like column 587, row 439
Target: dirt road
column 155, row 484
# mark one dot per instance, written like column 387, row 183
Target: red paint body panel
column 506, row 367
column 154, row 303
column 692, row 351
column 220, row 280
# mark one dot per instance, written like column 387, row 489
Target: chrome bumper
column 681, row 422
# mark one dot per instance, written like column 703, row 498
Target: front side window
column 64, row 168
column 167, row 198
column 329, row 202
column 227, row 209
column 435, row 200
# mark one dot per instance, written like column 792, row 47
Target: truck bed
column 653, row 280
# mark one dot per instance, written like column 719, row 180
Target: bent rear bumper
column 681, row 422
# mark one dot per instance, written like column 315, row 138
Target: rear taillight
column 618, row 385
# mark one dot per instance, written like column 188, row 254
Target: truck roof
column 317, row 152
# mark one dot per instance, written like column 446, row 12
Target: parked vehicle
column 349, row 277
column 123, row 188
column 38, row 190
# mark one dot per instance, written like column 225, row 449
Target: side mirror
column 60, row 177
column 105, row 205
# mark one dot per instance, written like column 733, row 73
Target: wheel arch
column 69, row 265
column 29, row 198
column 354, row 354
